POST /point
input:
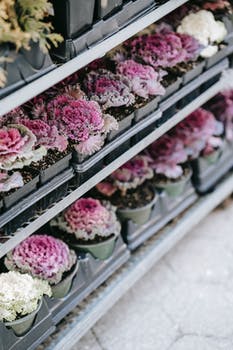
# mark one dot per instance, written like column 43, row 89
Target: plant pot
column 195, row 72
column 222, row 53
column 102, row 250
column 72, row 16
column 147, row 109
column 124, row 124
column 105, row 8
column 213, row 157
column 138, row 215
column 14, row 197
column 22, row 325
column 61, row 289
column 175, row 188
column 172, row 88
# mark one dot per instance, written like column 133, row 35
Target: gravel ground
column 184, row 303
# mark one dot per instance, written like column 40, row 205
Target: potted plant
column 168, row 158
column 20, row 300
column 145, row 84
column 25, row 38
column 18, row 150
column 209, row 32
column 128, row 189
column 47, row 258
column 113, row 93
column 92, row 226
column 82, row 122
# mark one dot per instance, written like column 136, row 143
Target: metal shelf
column 36, row 87
column 85, row 316
column 33, row 226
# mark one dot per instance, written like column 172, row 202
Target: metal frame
column 43, row 83
column 139, row 264
column 23, row 233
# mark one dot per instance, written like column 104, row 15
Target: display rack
column 33, row 226
column 98, row 50
column 96, row 305
column 140, row 263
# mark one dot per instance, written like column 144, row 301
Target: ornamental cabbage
column 144, row 79
column 42, row 256
column 20, row 295
column 109, row 89
column 88, row 218
column 17, row 147
column 9, row 182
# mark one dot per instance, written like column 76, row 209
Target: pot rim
column 70, row 274
column 183, row 178
column 26, row 317
column 88, row 245
column 153, row 201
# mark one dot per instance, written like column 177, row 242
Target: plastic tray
column 165, row 209
column 32, row 200
column 206, row 176
column 42, row 328
column 91, row 274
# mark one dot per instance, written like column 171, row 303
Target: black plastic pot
column 206, row 174
column 105, row 8
column 147, row 109
column 124, row 124
column 24, row 66
column 91, row 274
column 55, row 169
column 18, row 194
column 41, row 329
column 72, row 16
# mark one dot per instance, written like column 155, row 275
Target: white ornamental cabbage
column 203, row 26
column 20, row 295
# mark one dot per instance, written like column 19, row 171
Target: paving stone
column 88, row 342
column 190, row 342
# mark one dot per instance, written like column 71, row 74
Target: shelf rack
column 33, row 226
column 85, row 316
column 98, row 50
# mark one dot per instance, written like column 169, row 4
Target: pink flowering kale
column 144, row 79
column 46, row 135
column 88, row 218
column 43, row 257
column 167, row 154
column 10, row 182
column 81, row 121
column 129, row 176
column 12, row 117
column 109, row 89
column 222, row 108
column 17, row 147
column 195, row 130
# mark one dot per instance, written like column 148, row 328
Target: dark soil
column 133, row 199
column 120, row 113
column 162, row 179
column 52, row 157
column 169, row 79
column 98, row 239
column 141, row 102
column 183, row 67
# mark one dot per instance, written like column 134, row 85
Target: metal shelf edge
column 21, row 234
column 139, row 264
column 43, row 83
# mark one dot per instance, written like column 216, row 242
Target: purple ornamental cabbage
column 129, row 176
column 17, row 147
column 46, row 135
column 222, row 108
column 81, row 121
column 109, row 89
column 42, row 256
column 144, row 79
column 88, row 218
column 10, row 182
column 195, row 130
column 167, row 154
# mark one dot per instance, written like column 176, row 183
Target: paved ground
column 183, row 303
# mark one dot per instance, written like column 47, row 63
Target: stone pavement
column 184, row 303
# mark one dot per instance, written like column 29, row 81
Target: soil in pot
column 184, row 67
column 120, row 112
column 169, row 79
column 22, row 325
column 173, row 187
column 51, row 165
column 100, row 248
column 30, row 178
column 61, row 289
